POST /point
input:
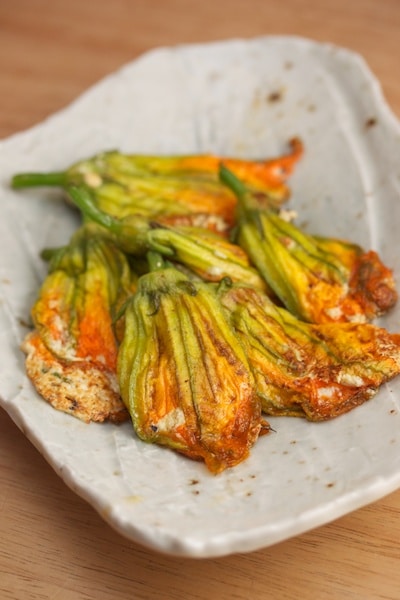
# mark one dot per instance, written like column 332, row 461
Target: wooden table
column 52, row 544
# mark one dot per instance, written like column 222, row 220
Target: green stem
column 230, row 180
column 247, row 207
column 245, row 201
column 48, row 254
column 84, row 201
column 23, row 180
column 155, row 260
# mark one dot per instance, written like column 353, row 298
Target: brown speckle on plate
column 24, row 323
column 370, row 122
column 275, row 96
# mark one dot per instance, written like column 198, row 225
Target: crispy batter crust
column 79, row 388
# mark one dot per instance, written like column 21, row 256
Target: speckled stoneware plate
column 243, row 98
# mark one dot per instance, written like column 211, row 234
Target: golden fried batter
column 80, row 388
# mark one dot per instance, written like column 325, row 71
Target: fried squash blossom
column 190, row 302
column 183, row 374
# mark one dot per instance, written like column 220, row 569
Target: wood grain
column 52, row 544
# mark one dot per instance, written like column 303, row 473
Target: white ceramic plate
column 242, row 98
